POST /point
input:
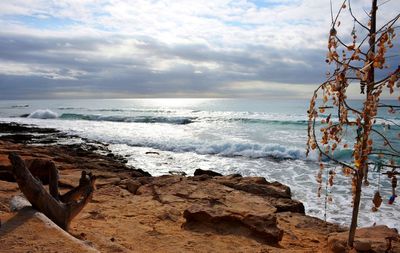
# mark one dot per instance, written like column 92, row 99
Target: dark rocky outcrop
column 23, row 128
column 139, row 173
column 287, row 205
column 199, row 172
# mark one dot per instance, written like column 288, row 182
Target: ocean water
column 252, row 137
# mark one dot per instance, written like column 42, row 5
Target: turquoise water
column 251, row 137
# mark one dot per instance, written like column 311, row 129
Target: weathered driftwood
column 61, row 209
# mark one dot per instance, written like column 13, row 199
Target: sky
column 167, row 48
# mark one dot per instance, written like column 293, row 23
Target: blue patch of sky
column 103, row 27
column 41, row 21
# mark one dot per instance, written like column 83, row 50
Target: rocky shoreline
column 131, row 211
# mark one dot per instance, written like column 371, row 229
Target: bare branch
column 355, row 19
column 386, row 140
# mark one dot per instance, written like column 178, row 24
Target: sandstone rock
column 107, row 181
column 281, row 187
column 264, row 226
column 145, row 180
column 132, row 186
column 211, row 173
column 31, row 231
column 201, row 178
column 177, row 172
column 257, row 186
column 336, row 246
column 370, row 239
column 216, row 207
column 362, row 245
column 254, row 180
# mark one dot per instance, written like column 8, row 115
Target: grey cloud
column 133, row 74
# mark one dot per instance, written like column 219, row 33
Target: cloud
column 162, row 48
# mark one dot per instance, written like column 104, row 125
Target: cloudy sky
column 166, row 48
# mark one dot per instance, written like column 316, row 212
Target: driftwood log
column 61, row 209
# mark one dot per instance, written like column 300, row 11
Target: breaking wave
column 43, row 114
column 248, row 150
column 267, row 121
column 136, row 119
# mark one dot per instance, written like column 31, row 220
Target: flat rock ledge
column 262, row 227
column 223, row 204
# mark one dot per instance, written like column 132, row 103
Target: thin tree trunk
column 363, row 166
column 356, row 208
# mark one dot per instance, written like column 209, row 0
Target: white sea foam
column 43, row 114
column 249, row 150
column 228, row 149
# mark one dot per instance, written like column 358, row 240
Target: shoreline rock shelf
column 131, row 211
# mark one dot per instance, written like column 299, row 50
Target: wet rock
column 152, row 153
column 287, row 205
column 139, row 173
column 20, row 138
column 235, row 175
column 24, row 128
column 199, row 172
column 28, row 134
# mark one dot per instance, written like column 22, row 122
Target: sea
column 252, row 137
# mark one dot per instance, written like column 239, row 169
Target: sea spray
column 43, row 114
